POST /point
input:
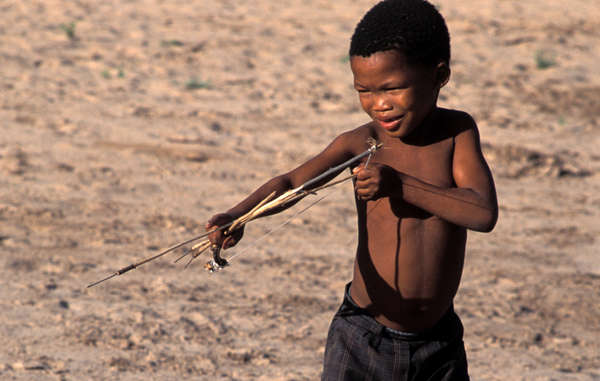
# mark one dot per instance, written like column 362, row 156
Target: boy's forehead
column 389, row 60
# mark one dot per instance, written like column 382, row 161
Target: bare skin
column 415, row 200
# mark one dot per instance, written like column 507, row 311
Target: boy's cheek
column 365, row 106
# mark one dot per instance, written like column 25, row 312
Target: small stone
column 17, row 366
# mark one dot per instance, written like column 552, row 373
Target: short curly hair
column 413, row 27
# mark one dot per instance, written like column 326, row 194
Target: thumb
column 229, row 242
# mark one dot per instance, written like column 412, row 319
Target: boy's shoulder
column 452, row 117
column 357, row 139
column 450, row 123
column 457, row 120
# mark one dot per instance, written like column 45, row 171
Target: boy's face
column 397, row 95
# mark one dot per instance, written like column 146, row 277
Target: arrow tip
column 102, row 280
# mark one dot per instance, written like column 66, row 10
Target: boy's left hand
column 218, row 237
column 372, row 182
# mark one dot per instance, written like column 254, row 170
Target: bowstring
column 286, row 222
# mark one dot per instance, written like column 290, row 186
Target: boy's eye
column 387, row 89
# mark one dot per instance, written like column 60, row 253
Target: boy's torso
column 409, row 262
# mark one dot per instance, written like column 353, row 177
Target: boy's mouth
column 390, row 123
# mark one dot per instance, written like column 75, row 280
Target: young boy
column 415, row 201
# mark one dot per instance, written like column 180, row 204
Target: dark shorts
column 360, row 348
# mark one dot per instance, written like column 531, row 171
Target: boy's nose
column 381, row 103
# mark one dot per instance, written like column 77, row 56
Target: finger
column 359, row 168
column 361, row 192
column 225, row 242
column 365, row 173
column 229, row 242
column 366, row 187
column 213, row 223
column 364, row 197
column 215, row 235
column 211, row 230
column 237, row 233
column 363, row 184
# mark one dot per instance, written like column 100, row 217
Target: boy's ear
column 442, row 74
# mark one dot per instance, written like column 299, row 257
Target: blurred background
column 127, row 124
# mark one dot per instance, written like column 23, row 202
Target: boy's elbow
column 486, row 228
column 488, row 222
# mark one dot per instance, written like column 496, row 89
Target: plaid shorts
column 360, row 348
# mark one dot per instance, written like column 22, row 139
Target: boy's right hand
column 218, row 237
column 373, row 182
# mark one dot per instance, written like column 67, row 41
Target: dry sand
column 126, row 124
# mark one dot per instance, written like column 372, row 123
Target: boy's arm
column 337, row 152
column 472, row 203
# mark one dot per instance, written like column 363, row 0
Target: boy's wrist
column 232, row 214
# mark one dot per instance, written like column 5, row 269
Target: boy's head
column 399, row 56
column 412, row 27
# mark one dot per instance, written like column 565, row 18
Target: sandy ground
column 126, row 124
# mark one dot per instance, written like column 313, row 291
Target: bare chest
column 430, row 163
